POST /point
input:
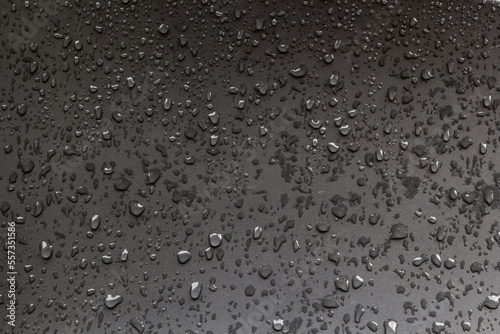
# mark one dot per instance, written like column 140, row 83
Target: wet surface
column 251, row 167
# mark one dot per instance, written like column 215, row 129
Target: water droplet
column 300, row 71
column 46, row 249
column 195, row 290
column 183, row 256
column 136, row 208
column 215, row 239
column 331, row 301
column 399, row 231
column 112, row 301
column 95, row 221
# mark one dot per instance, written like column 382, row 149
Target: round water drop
column 333, row 147
column 334, row 78
column 215, row 239
column 278, row 324
column 46, row 249
column 163, row 29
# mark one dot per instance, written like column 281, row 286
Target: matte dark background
column 360, row 137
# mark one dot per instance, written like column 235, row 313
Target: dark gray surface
column 97, row 99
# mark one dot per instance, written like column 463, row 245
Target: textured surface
column 251, row 167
